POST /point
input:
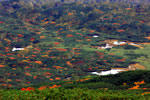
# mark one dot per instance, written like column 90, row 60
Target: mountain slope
column 81, row 1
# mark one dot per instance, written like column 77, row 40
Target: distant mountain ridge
column 81, row 1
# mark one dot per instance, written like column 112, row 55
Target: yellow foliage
column 42, row 37
column 44, row 56
column 70, row 14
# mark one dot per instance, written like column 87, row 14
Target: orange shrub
column 38, row 33
column 47, row 73
column 2, row 65
column 61, row 49
column 27, row 89
column 51, row 79
column 44, row 56
column 42, row 88
column 27, row 73
column 116, row 23
column 91, row 31
column 12, row 58
column 7, row 49
column 89, row 40
column 38, row 62
column 57, row 78
column 53, row 22
column 42, row 37
column 121, row 60
column 57, row 67
column 148, row 38
column 56, row 43
column 137, row 85
column 35, row 77
column 145, row 93
column 121, row 30
column 69, row 63
column 27, row 67
column 55, row 86
column 9, row 80
column 45, row 23
column 128, row 8
column 70, row 14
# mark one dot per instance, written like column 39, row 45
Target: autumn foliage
column 70, row 14
column 42, row 88
column 56, row 43
column 2, row 65
column 55, row 86
column 137, row 85
column 38, row 62
column 121, row 30
column 69, row 35
column 27, row 89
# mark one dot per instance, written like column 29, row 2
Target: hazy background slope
column 81, row 1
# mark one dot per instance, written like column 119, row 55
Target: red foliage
column 121, row 30
column 116, row 23
column 20, row 35
column 6, row 85
column 69, row 35
column 2, row 55
column 90, row 69
column 27, row 67
column 80, row 34
column 18, row 80
column 68, row 63
column 7, row 49
column 38, row 62
column 2, row 65
column 35, row 77
column 12, row 58
column 33, row 56
column 28, row 82
column 56, row 43
column 51, row 79
column 61, row 49
column 27, row 89
column 19, row 40
column 57, row 67
column 42, row 88
column 78, row 63
column 27, row 73
column 128, row 8
column 1, row 22
column 55, row 86
column 47, row 73
column 86, row 37
column 121, row 60
column 91, row 31
column 70, row 14
column 32, row 39
column 9, row 54
column 57, row 78
column 53, row 23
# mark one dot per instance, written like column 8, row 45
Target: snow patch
column 15, row 49
column 112, row 71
